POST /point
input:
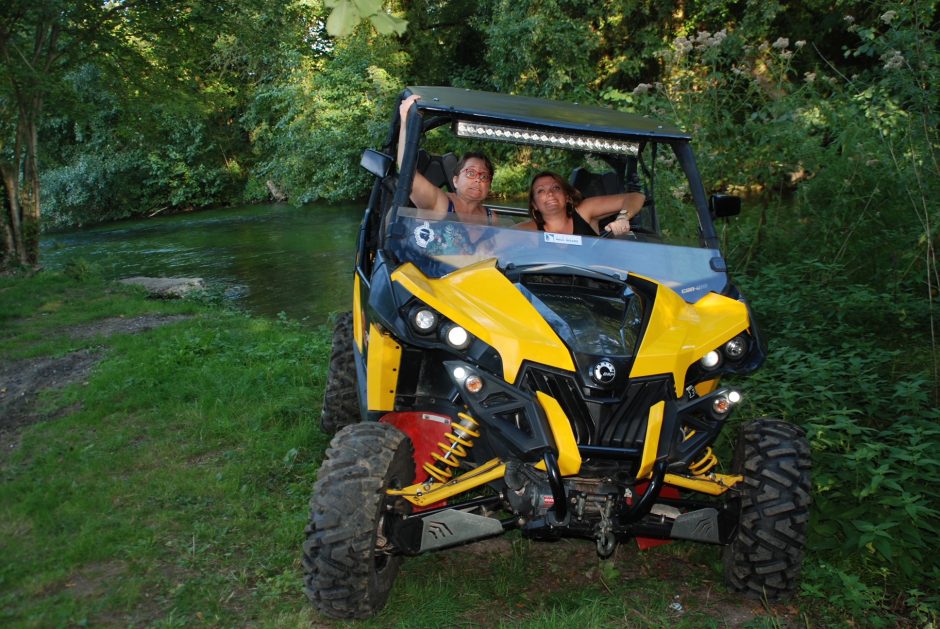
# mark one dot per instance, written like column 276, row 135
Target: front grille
column 618, row 423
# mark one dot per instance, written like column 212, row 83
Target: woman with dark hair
column 474, row 174
column 556, row 206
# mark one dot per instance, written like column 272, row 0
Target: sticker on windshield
column 423, row 235
column 562, row 239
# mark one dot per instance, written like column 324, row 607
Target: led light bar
column 545, row 138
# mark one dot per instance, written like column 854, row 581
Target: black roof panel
column 529, row 111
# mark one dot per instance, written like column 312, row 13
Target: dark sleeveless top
column 579, row 226
column 489, row 213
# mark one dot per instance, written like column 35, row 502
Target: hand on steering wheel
column 618, row 228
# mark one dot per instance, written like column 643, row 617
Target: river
column 266, row 258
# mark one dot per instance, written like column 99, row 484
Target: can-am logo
column 604, row 372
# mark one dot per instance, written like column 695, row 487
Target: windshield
column 438, row 247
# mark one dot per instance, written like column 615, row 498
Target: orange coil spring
column 464, row 431
column 704, row 464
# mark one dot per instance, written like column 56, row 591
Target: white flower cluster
column 781, row 44
column 705, row 40
column 809, row 76
column 682, row 45
column 888, row 16
column 642, row 88
column 893, row 60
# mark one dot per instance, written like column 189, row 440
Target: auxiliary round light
column 735, row 348
column 721, row 405
column 460, row 373
column 710, row 360
column 473, row 384
column 424, row 320
column 734, row 397
column 457, row 337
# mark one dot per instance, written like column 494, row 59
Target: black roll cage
column 417, row 127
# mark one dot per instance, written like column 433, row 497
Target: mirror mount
column 724, row 205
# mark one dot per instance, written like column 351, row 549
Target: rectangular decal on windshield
column 562, row 239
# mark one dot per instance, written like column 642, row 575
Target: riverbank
column 265, row 259
column 159, row 466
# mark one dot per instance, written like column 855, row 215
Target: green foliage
column 303, row 126
column 537, row 48
column 870, row 417
column 80, row 270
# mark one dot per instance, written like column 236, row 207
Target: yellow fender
column 681, row 333
column 481, row 299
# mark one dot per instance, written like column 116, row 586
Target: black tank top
column 579, row 226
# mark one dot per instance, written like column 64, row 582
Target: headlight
column 735, row 348
column 711, row 360
column 456, row 336
column 423, row 319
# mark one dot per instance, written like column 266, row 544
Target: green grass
column 177, row 489
column 170, row 488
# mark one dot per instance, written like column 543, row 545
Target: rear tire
column 345, row 573
column 341, row 395
column 764, row 558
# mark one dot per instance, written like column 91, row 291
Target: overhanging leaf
column 342, row 20
column 368, row 7
column 386, row 24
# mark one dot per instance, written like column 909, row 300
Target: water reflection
column 272, row 258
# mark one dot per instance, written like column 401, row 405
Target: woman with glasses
column 556, row 206
column 474, row 174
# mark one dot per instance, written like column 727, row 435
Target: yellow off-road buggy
column 564, row 386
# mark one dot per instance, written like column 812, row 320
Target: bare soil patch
column 21, row 381
column 122, row 325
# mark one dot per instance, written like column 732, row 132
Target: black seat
column 438, row 169
column 593, row 184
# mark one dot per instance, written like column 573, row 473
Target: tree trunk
column 29, row 186
column 12, row 224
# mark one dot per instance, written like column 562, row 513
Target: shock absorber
column 704, row 464
column 461, row 437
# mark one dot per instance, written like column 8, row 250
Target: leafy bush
column 835, row 367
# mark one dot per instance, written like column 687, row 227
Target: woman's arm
column 593, row 208
column 628, row 205
column 424, row 194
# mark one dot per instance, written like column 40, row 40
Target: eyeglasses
column 480, row 175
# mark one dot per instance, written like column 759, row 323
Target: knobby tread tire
column 765, row 557
column 344, row 576
column 341, row 396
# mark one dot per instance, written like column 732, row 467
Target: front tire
column 765, row 557
column 341, row 396
column 347, row 573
